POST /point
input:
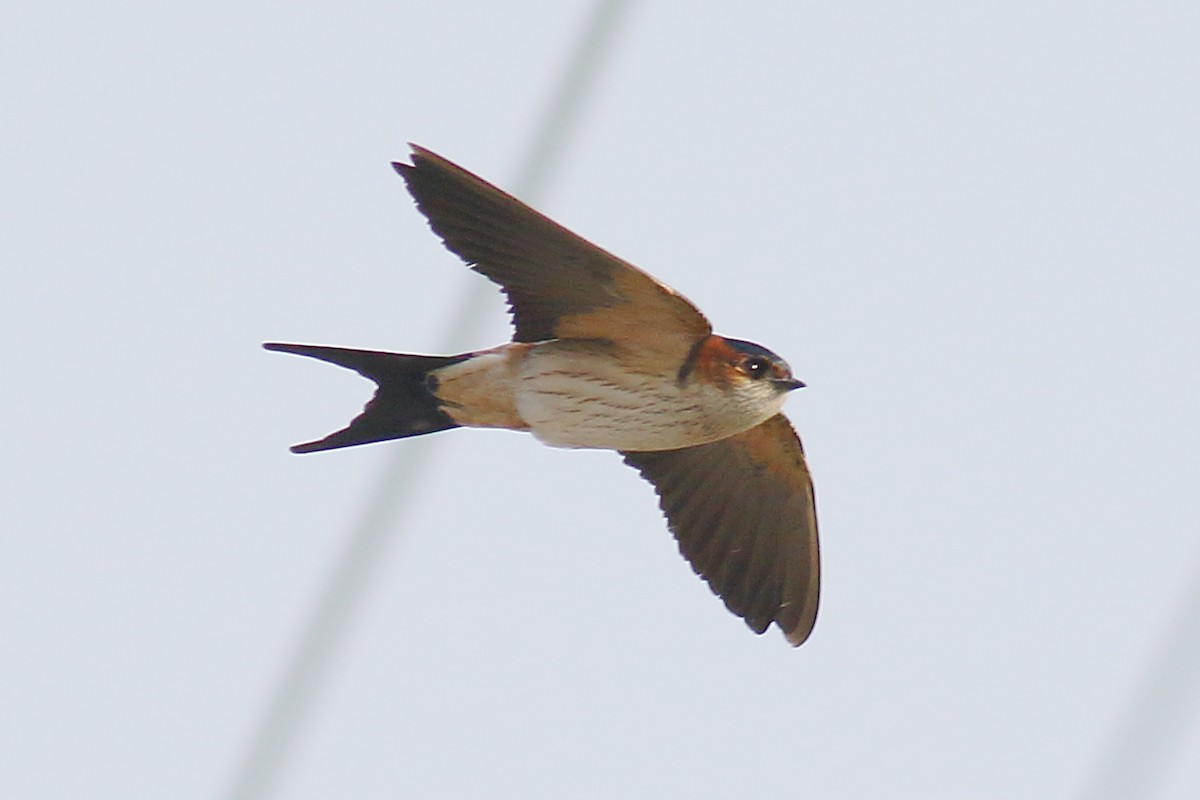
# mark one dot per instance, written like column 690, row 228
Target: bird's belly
column 574, row 397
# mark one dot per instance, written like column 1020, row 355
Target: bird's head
column 754, row 365
column 753, row 378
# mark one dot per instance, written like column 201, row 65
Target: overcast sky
column 971, row 228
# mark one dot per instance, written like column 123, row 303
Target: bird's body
column 596, row 394
column 604, row 356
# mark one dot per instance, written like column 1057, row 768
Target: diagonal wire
column 1135, row 759
column 325, row 627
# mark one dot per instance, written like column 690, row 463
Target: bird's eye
column 757, row 367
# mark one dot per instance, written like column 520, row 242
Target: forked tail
column 403, row 404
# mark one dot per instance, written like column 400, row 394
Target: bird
column 605, row 356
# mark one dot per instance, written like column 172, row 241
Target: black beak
column 789, row 384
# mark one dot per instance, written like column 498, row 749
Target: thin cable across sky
column 1147, row 738
column 382, row 516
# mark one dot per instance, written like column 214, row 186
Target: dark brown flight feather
column 742, row 510
column 559, row 285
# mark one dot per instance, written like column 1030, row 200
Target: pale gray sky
column 970, row 228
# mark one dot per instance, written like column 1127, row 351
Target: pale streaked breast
column 583, row 394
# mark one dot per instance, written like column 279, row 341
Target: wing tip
column 417, row 155
column 798, row 635
column 797, row 629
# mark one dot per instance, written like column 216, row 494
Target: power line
column 335, row 606
column 1157, row 717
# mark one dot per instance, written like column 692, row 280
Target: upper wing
column 742, row 510
column 558, row 284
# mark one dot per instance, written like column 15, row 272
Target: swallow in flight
column 605, row 356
